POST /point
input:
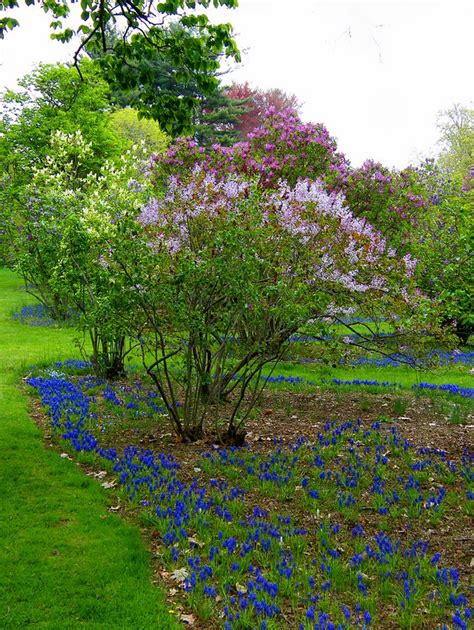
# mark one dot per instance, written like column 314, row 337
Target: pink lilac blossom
column 341, row 248
column 271, row 151
column 410, row 264
column 183, row 202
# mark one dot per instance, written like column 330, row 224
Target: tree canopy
column 456, row 126
column 53, row 98
column 256, row 102
column 183, row 37
column 134, row 130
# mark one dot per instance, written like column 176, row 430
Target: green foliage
column 188, row 42
column 135, row 130
column 456, row 126
column 54, row 98
column 444, row 244
column 170, row 82
column 217, row 120
column 148, row 79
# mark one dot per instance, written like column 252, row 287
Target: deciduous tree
column 175, row 29
column 257, row 101
column 456, row 126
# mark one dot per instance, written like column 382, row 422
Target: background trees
column 256, row 102
column 218, row 119
column 184, row 38
column 456, row 126
column 443, row 243
column 54, row 98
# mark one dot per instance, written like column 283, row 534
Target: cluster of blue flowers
column 73, row 364
column 255, row 563
column 357, row 382
column 465, row 392
column 440, row 358
column 34, row 315
column 455, row 390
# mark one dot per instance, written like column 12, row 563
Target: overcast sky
column 375, row 73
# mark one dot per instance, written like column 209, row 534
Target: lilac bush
column 226, row 269
column 235, row 251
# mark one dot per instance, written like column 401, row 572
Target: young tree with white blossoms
column 70, row 218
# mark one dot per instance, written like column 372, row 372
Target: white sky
column 375, row 73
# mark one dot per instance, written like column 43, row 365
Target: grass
column 65, row 561
column 406, row 376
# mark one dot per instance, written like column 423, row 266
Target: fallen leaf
column 179, row 575
column 189, row 619
column 109, row 484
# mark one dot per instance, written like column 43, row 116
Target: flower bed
column 327, row 533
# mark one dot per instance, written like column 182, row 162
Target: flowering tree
column 282, row 147
column 391, row 200
column 53, row 98
column 69, row 219
column 104, row 306
column 226, row 270
column 34, row 235
column 256, row 103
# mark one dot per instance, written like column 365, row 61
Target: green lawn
column 65, row 561
column 405, row 375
